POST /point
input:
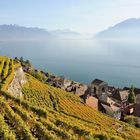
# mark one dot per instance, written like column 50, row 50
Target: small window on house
column 103, row 89
column 95, row 90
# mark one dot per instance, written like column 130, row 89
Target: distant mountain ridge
column 128, row 29
column 16, row 32
column 66, row 33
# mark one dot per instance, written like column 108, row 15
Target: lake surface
column 117, row 62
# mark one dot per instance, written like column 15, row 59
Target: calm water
column 118, row 63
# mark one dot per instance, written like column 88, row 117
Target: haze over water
column 116, row 62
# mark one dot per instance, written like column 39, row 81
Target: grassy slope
column 49, row 113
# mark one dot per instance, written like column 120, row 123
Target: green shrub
column 133, row 120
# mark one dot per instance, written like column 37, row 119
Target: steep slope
column 46, row 113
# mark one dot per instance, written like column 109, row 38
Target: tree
column 16, row 58
column 28, row 63
column 21, row 59
column 131, row 96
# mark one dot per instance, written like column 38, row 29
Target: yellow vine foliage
column 49, row 113
column 7, row 68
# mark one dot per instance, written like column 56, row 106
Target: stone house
column 98, row 87
column 111, row 110
column 81, row 89
column 110, row 100
column 109, row 106
column 59, row 81
column 105, row 97
column 121, row 97
column 98, row 97
column 66, row 83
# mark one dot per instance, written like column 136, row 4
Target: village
column 99, row 95
column 110, row 100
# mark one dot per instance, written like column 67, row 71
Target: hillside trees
column 131, row 96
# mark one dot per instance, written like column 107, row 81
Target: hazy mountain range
column 128, row 29
column 16, row 32
column 65, row 34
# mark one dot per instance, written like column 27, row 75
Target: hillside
column 48, row 113
column 128, row 29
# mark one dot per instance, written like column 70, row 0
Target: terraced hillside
column 48, row 113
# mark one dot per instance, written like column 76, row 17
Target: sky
column 84, row 16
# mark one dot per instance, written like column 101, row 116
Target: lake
column 116, row 62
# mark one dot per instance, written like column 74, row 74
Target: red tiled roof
column 92, row 102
